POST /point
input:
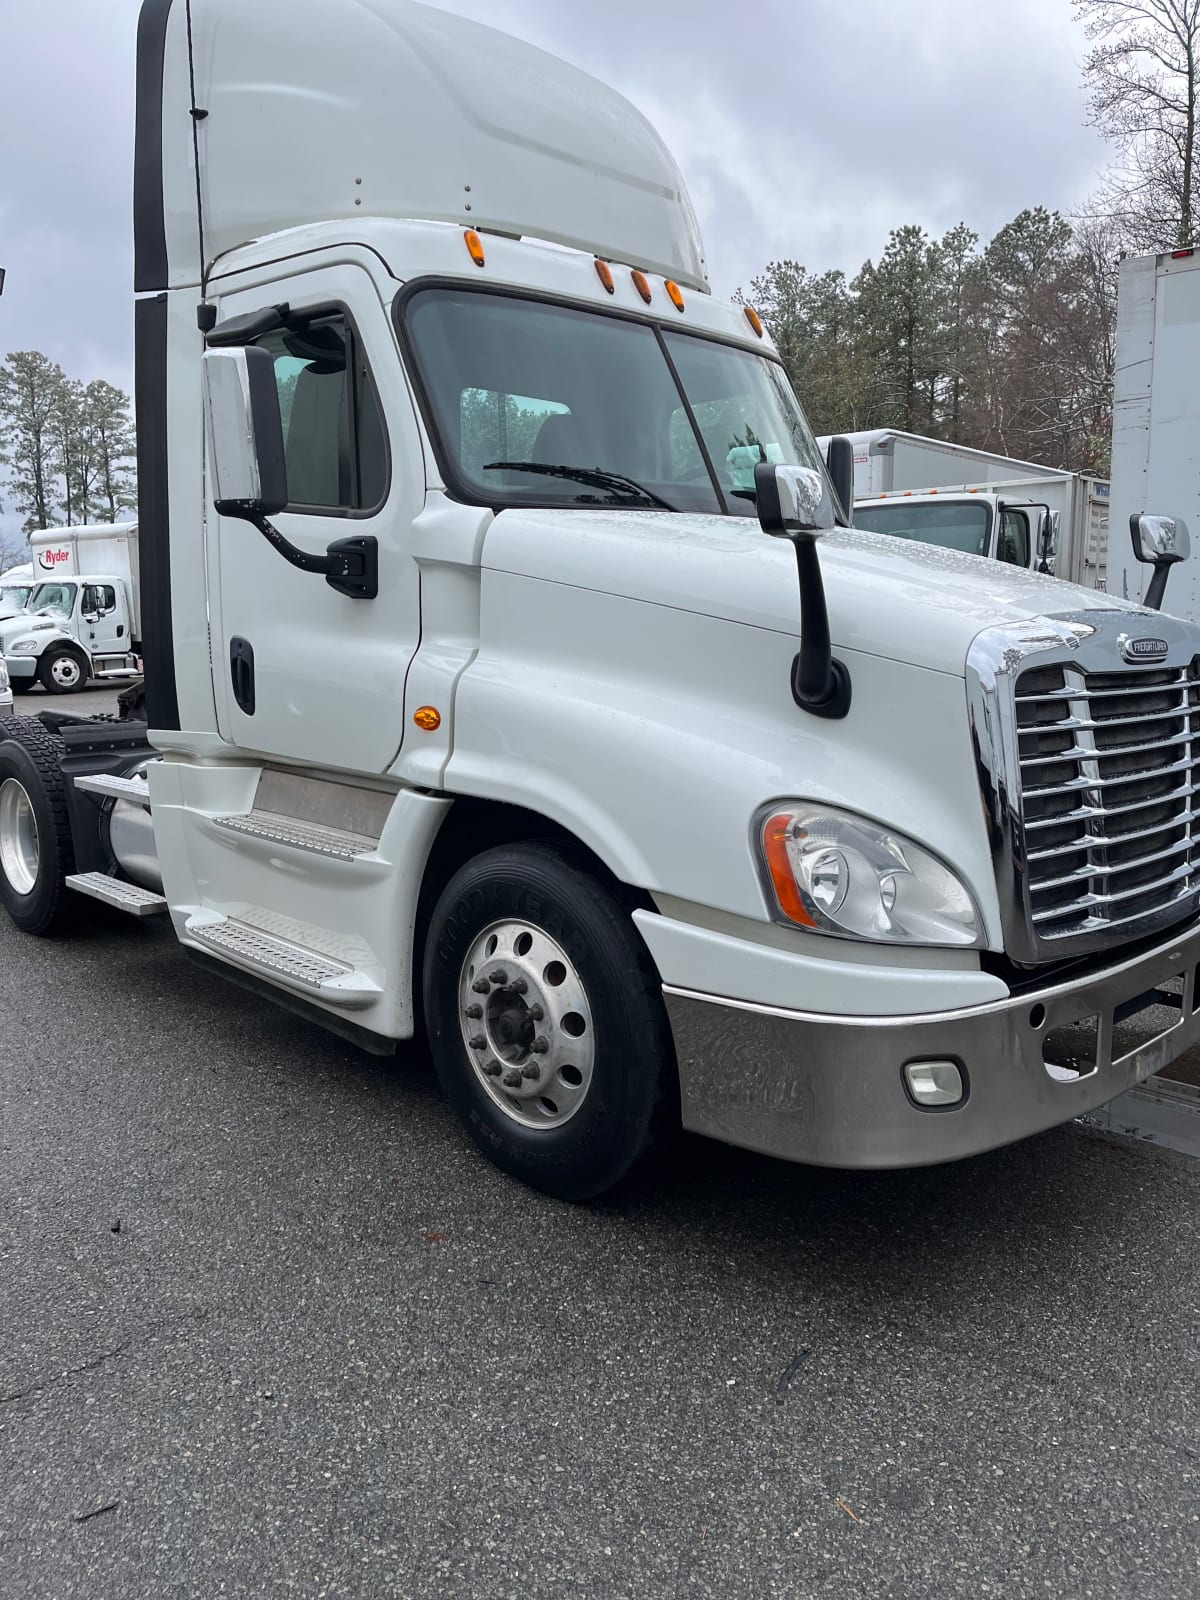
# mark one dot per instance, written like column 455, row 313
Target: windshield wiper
column 596, row 477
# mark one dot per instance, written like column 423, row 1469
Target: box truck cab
column 493, row 693
column 79, row 617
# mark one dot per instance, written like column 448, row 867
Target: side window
column 334, row 440
column 98, row 599
column 1014, row 538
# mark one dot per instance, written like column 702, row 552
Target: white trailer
column 887, row 460
column 494, row 692
column 81, row 617
column 1156, row 413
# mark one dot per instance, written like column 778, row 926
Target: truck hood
column 17, row 625
column 887, row 597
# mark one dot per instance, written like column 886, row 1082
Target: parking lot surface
column 269, row 1326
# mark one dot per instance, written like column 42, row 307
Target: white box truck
column 81, row 616
column 486, row 697
column 1156, row 412
column 1038, row 517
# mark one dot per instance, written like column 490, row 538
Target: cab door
column 302, row 672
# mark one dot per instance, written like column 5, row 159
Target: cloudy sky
column 805, row 128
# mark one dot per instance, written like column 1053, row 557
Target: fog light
column 934, row 1083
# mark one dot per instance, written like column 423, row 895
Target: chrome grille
column 1109, row 831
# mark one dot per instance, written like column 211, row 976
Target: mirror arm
column 351, row 566
column 820, row 683
column 1158, row 586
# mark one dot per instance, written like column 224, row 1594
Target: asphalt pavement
column 270, row 1327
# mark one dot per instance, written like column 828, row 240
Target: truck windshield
column 538, row 404
column 955, row 525
column 53, row 597
column 13, row 599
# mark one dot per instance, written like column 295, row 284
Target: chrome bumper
column 831, row 1092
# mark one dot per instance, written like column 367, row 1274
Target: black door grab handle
column 241, row 670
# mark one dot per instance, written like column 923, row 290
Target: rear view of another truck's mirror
column 242, row 405
column 1161, row 542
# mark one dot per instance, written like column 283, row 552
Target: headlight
column 837, row 873
column 25, row 647
column 3, row 675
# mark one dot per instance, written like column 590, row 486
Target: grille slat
column 1108, row 765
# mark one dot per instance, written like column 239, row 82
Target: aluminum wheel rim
column 65, row 671
column 20, row 852
column 526, row 1024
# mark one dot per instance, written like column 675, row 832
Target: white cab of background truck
column 81, row 616
column 498, row 686
column 1156, row 412
column 1042, row 518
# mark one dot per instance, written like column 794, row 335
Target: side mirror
column 245, row 433
column 1161, row 542
column 1048, row 543
column 839, row 458
column 792, row 500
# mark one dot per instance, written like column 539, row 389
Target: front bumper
column 831, row 1092
column 21, row 666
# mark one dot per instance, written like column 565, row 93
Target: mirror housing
column 1161, row 542
column 793, row 500
column 1047, row 548
column 839, row 458
column 245, row 433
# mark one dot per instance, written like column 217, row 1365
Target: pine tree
column 30, row 386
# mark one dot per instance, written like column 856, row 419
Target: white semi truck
column 1042, row 518
column 487, row 698
column 80, row 618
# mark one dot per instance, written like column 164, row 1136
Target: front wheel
column 546, row 1021
column 63, row 670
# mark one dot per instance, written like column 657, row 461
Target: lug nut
column 499, row 979
column 492, row 1068
column 536, row 1012
column 474, row 1012
column 512, row 1079
column 518, row 986
column 531, row 1070
column 481, row 986
column 478, row 1042
column 539, row 1046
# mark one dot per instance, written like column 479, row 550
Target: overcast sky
column 805, row 128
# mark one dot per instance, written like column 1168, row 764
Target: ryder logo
column 49, row 559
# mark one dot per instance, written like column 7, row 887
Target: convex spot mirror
column 245, row 433
column 1160, row 541
column 793, row 500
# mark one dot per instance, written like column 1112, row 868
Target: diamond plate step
column 129, row 897
column 310, row 836
column 279, row 959
column 117, row 788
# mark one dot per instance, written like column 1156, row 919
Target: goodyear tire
column 35, row 834
column 545, row 1020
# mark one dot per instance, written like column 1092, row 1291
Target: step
column 129, row 897
column 118, row 788
column 290, row 831
column 303, row 969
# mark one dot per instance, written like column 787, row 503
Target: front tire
column 63, row 670
column 36, row 853
column 546, row 1022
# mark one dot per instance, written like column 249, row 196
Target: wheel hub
column 20, row 850
column 526, row 1024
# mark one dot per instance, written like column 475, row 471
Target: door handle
column 241, row 672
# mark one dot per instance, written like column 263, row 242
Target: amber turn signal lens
column 676, row 294
column 783, row 881
column 428, row 718
column 605, row 275
column 642, row 284
column 755, row 321
column 474, row 246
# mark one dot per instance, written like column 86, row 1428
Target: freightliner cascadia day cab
column 82, row 611
column 486, row 698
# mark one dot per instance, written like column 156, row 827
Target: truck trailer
column 493, row 695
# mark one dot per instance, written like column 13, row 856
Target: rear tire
column 560, row 1063
column 63, row 670
column 36, row 852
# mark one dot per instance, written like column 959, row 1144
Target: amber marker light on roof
column 755, row 321
column 642, row 284
column 428, row 718
column 474, row 246
column 675, row 293
column 604, row 273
